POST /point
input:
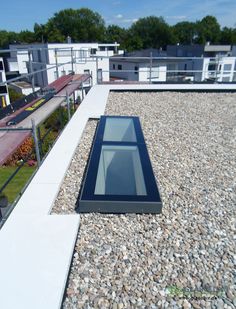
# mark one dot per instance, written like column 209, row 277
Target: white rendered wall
column 158, row 73
column 143, row 74
column 13, row 65
column 22, row 59
column 221, row 73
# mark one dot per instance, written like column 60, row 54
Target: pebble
column 191, row 140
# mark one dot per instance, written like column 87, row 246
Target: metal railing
column 151, row 62
column 145, row 69
column 38, row 152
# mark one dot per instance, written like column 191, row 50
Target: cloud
column 119, row 16
column 177, row 17
column 129, row 20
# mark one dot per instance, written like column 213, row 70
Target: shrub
column 22, row 152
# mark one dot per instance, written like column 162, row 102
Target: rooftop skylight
column 119, row 177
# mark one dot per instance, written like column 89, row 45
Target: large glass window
column 120, row 171
column 119, row 130
column 119, row 176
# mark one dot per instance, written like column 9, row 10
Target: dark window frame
column 91, row 202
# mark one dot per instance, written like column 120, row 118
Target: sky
column 17, row 15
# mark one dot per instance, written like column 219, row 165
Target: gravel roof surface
column 148, row 261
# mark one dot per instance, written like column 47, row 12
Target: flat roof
column 217, row 48
column 191, row 141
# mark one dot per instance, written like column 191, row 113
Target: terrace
column 55, row 257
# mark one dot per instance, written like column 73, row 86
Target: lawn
column 17, row 183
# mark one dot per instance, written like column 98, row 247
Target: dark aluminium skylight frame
column 119, row 147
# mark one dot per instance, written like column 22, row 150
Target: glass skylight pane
column 119, row 130
column 120, row 171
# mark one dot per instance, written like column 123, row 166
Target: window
column 212, row 67
column 136, row 70
column 39, row 56
column 3, row 89
column 113, row 66
column 119, row 177
column 87, row 72
column 227, row 68
column 225, row 79
column 93, row 51
column 1, row 66
column 119, row 66
column 99, row 75
column 55, row 74
column 185, row 67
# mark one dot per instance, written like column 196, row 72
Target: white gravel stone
column 130, row 261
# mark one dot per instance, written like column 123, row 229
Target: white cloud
column 177, row 17
column 119, row 16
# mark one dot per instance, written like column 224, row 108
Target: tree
column 117, row 34
column 26, row 36
column 208, row 29
column 14, row 95
column 81, row 25
column 7, row 38
column 133, row 42
column 40, row 33
column 185, row 32
column 153, row 31
column 228, row 36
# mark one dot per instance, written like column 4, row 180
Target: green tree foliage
column 14, row 95
column 208, row 29
column 85, row 25
column 228, row 36
column 153, row 31
column 81, row 25
column 117, row 34
column 26, row 36
column 185, row 32
column 40, row 33
column 7, row 38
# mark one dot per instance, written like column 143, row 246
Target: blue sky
column 19, row 15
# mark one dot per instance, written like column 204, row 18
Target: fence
column 143, row 69
column 10, row 191
column 121, row 68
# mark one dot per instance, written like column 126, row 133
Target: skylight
column 119, row 176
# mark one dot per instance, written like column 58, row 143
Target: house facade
column 206, row 62
column 62, row 59
column 139, row 66
column 4, row 95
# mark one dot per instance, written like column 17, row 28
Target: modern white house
column 206, row 62
column 61, row 59
column 139, row 66
column 4, row 95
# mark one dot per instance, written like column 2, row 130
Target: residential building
column 23, row 87
column 55, row 60
column 4, row 95
column 139, row 66
column 206, row 62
